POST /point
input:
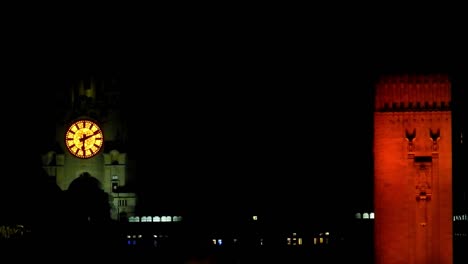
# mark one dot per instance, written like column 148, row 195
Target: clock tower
column 413, row 170
column 91, row 142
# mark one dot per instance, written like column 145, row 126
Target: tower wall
column 413, row 170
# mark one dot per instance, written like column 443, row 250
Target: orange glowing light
column 84, row 139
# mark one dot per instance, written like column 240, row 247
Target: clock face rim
column 76, row 152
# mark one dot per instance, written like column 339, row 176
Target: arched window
column 357, row 216
column 371, row 215
column 365, row 216
column 166, row 219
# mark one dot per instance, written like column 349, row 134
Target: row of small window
column 133, row 240
column 299, row 241
column 293, row 240
column 463, row 217
column 322, row 238
column 371, row 215
column 156, row 219
column 364, row 215
column 290, row 241
column 140, row 236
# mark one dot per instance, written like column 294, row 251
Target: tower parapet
column 418, row 92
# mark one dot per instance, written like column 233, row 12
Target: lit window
column 371, row 215
column 365, row 216
column 357, row 216
column 115, row 177
column 156, row 219
column 255, row 218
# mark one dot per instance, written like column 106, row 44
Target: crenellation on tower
column 413, row 92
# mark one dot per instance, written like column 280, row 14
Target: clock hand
column 86, row 136
column 83, row 146
column 83, row 139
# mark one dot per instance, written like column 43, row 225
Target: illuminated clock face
column 84, row 139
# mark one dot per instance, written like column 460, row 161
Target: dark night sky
column 278, row 127
column 261, row 128
column 274, row 118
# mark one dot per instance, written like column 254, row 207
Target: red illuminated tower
column 413, row 170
